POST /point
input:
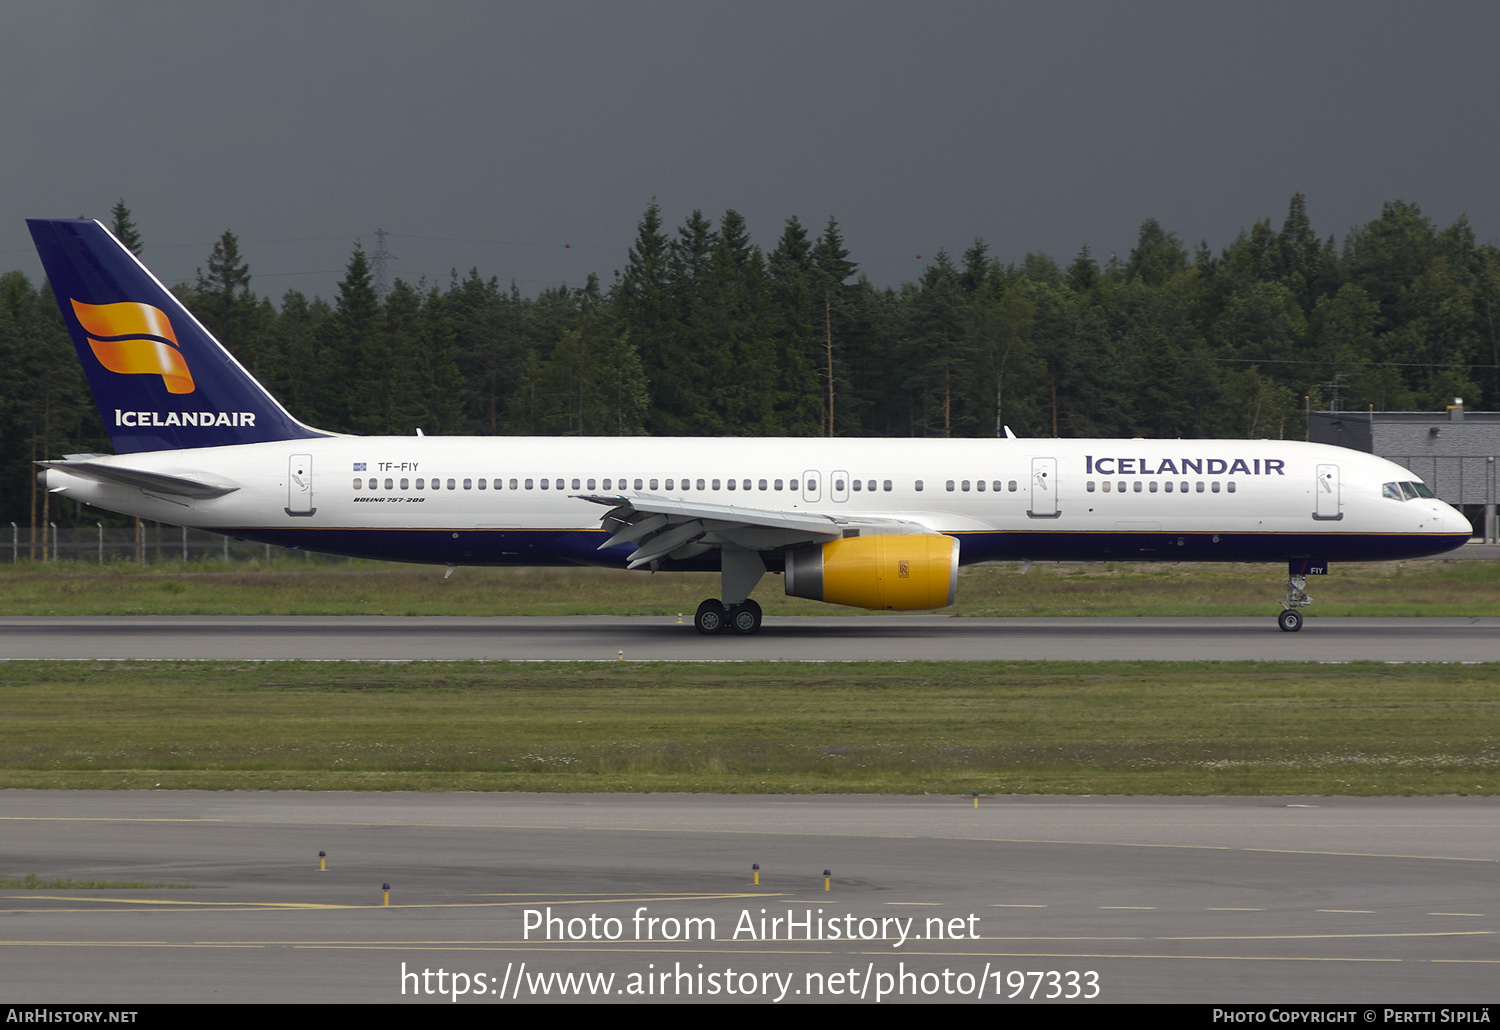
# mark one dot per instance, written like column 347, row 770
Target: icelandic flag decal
column 359, row 466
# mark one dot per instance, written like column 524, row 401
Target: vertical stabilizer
column 162, row 382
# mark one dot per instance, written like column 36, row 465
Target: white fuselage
column 515, row 500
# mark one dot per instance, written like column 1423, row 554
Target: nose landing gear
column 1290, row 619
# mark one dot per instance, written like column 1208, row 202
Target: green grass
column 993, row 727
column 371, row 588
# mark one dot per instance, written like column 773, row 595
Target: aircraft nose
column 1454, row 521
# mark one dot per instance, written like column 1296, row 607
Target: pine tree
column 345, row 347
column 123, row 226
column 831, row 271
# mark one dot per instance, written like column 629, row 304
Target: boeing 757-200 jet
column 879, row 524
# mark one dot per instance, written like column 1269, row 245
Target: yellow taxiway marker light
column 976, row 799
column 322, row 861
column 755, row 868
column 620, row 656
column 387, row 888
column 827, row 880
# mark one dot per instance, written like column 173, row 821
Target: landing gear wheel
column 711, row 617
column 1290, row 620
column 744, row 618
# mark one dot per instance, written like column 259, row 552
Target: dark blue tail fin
column 162, row 382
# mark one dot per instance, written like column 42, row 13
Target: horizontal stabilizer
column 194, row 484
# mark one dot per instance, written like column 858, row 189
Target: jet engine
column 877, row 572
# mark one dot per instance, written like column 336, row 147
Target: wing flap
column 659, row 526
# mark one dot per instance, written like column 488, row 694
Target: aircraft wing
column 194, row 484
column 662, row 528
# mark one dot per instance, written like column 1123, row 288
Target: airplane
column 882, row 524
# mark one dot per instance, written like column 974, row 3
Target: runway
column 1202, row 900
column 814, row 639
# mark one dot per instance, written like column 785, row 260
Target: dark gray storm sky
column 492, row 135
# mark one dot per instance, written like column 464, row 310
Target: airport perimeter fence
column 149, row 543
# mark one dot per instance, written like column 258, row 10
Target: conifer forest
column 703, row 331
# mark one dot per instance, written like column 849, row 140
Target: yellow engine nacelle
column 878, row 572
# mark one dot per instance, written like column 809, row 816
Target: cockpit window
column 1406, row 491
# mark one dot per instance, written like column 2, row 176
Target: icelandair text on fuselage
column 141, row 419
column 1183, row 466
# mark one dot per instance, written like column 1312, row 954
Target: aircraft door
column 811, row 490
column 1044, row 489
column 299, row 496
column 1326, row 494
column 838, row 486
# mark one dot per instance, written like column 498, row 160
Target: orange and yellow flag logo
column 125, row 342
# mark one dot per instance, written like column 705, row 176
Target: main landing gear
column 715, row 617
column 741, row 570
column 1290, row 619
